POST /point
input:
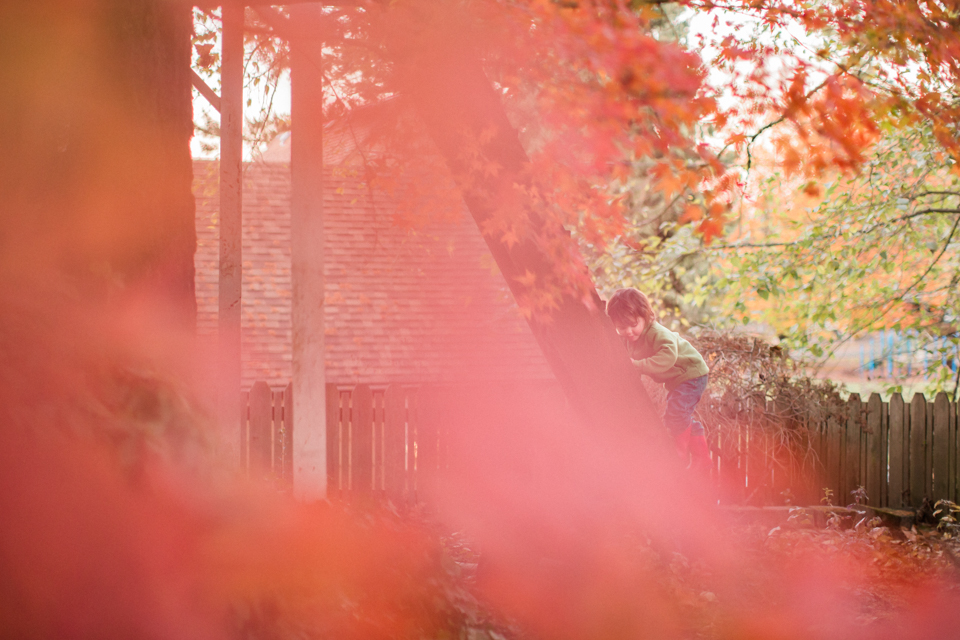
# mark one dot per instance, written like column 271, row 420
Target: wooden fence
column 390, row 441
column 900, row 453
column 378, row 442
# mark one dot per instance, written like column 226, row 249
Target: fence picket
column 851, row 450
column 941, row 446
column 899, row 429
column 918, row 452
column 833, row 435
column 334, row 442
column 955, row 451
column 288, row 433
column 261, row 419
column 954, row 454
column 361, row 440
column 244, row 430
column 875, row 473
column 732, row 466
column 428, row 431
column 394, row 443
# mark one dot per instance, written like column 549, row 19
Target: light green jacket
column 666, row 357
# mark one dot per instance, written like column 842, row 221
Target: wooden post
column 428, row 430
column 851, row 464
column 394, row 443
column 899, row 429
column 954, row 454
column 942, row 445
column 288, row 434
column 334, row 441
column 244, row 431
column 876, row 465
column 231, row 225
column 918, row 453
column 361, row 440
column 413, row 435
column 833, row 440
column 306, row 265
column 261, row 417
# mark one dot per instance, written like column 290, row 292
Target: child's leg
column 678, row 418
column 681, row 402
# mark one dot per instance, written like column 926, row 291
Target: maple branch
column 913, row 285
column 770, row 125
column 923, row 212
column 751, row 245
column 924, row 194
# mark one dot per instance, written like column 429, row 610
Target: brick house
column 406, row 305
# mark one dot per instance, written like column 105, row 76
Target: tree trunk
column 458, row 104
column 96, row 119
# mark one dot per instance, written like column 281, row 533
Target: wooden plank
column 376, row 402
column 394, row 443
column 733, row 464
column 229, row 283
column 876, row 464
column 261, row 422
column 898, row 428
column 941, row 447
column 245, row 431
column 288, row 434
column 885, row 454
column 334, row 440
column 928, row 451
column 306, row 262
column 728, row 463
column 805, row 470
column 833, row 444
column 918, row 452
column 413, row 429
column 813, row 470
column 758, row 471
column 851, row 449
column 431, row 398
column 276, row 434
column 954, row 452
column 361, row 440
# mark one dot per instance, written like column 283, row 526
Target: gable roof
column 402, row 305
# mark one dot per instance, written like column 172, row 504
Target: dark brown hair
column 627, row 305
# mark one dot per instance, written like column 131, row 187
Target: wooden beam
column 306, row 258
column 267, row 3
column 205, row 90
column 231, row 226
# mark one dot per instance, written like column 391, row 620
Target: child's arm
column 665, row 353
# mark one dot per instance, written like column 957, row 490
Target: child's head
column 626, row 306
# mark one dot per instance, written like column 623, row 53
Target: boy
column 668, row 359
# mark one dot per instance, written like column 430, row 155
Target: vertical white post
column 306, row 256
column 231, row 168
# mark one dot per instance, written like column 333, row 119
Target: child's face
column 631, row 332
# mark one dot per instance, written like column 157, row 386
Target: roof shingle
column 402, row 305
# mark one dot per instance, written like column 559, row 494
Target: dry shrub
column 757, row 393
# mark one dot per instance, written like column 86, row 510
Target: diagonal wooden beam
column 205, row 90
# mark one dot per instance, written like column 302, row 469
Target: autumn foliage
column 120, row 520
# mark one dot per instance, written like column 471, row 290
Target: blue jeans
column 681, row 403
